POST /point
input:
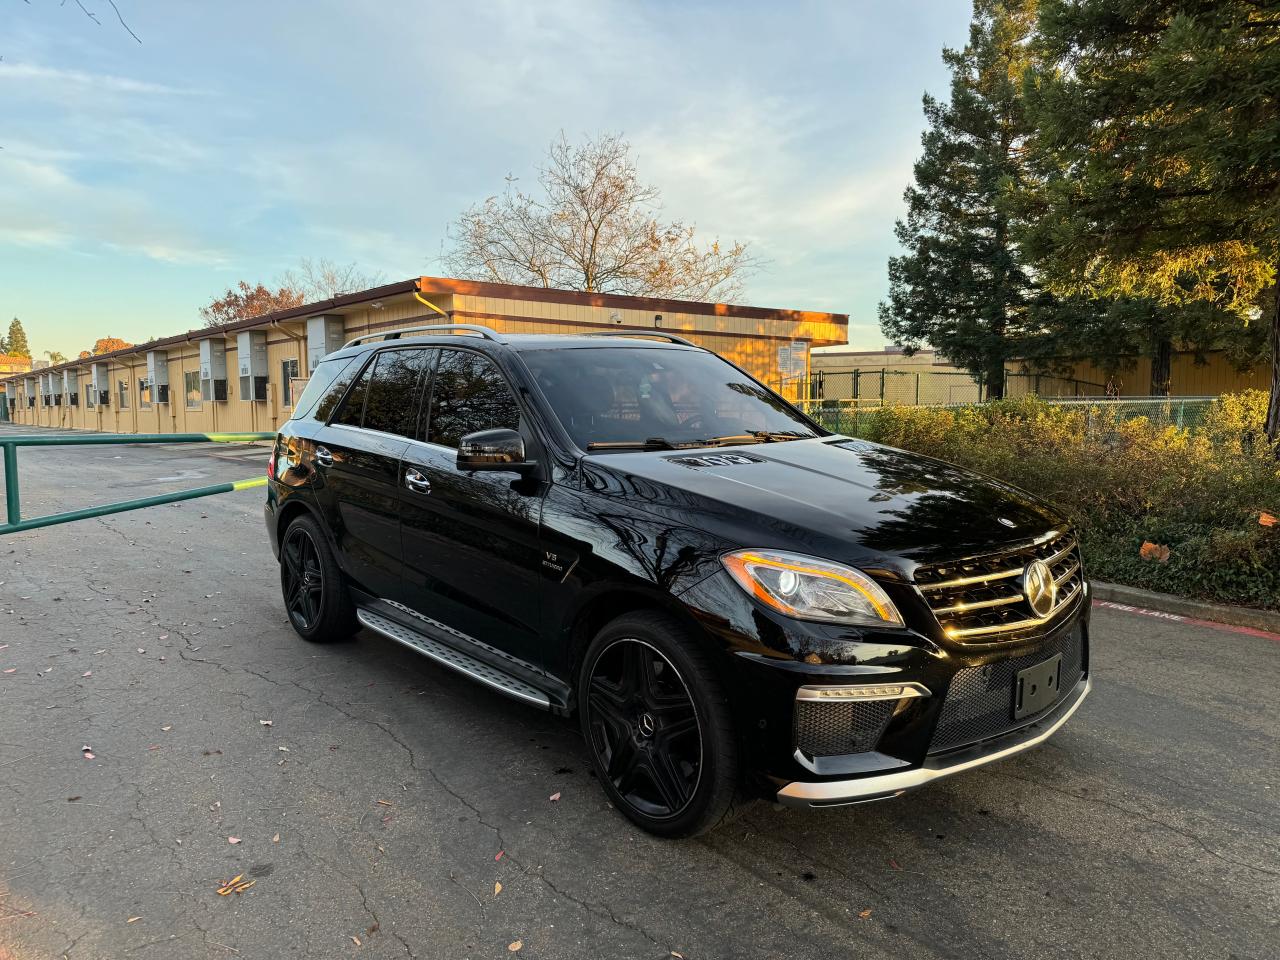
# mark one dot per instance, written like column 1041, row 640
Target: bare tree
column 322, row 279
column 595, row 227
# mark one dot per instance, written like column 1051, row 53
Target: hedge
column 1203, row 501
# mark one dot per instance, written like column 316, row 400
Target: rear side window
column 392, row 402
column 469, row 393
column 352, row 410
column 326, row 382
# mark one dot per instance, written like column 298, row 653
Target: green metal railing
column 13, row 505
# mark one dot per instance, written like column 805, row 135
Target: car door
column 357, row 462
column 471, row 554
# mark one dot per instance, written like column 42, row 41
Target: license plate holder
column 1037, row 687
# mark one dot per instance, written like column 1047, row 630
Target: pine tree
column 961, row 285
column 1159, row 121
column 17, row 339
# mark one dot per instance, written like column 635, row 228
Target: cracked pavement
column 1145, row 829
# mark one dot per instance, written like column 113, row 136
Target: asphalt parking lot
column 378, row 800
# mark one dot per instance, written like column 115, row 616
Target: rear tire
column 658, row 726
column 315, row 596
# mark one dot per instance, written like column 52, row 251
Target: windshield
column 634, row 397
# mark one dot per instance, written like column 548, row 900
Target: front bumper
column 833, row 793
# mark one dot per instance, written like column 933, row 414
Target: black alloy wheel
column 315, row 596
column 644, row 728
column 658, row 725
column 302, row 579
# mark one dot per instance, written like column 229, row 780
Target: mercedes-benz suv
column 631, row 530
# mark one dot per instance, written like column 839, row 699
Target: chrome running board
column 454, row 659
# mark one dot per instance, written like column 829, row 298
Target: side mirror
column 493, row 450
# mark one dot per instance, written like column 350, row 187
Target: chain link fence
column 1102, row 415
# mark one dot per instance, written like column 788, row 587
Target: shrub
column 1123, row 482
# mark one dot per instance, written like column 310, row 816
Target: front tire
column 658, row 726
column 315, row 597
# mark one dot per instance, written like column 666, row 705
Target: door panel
column 357, row 488
column 358, row 463
column 472, row 558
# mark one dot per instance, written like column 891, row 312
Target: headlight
column 810, row 589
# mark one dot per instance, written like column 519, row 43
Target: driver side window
column 469, row 394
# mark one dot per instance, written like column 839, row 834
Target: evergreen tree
column 17, row 339
column 1158, row 127
column 961, row 285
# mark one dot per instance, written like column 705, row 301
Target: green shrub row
column 1205, row 494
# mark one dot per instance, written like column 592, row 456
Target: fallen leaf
column 1154, row 551
column 276, row 838
column 233, row 839
column 385, row 803
column 497, row 888
column 1264, row 519
column 515, row 946
column 133, row 920
column 498, row 856
column 355, row 940
column 554, row 797
column 372, row 928
column 72, row 799
column 865, row 913
column 265, row 723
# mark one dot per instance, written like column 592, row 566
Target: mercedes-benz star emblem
column 647, row 725
column 1038, row 587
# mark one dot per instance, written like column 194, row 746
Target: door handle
column 416, row 482
column 324, row 457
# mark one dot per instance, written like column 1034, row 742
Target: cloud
column 61, row 81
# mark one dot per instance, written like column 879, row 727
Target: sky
column 139, row 180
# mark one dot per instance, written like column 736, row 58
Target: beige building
column 845, row 372
column 241, row 377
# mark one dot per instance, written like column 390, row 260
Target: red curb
column 1192, row 621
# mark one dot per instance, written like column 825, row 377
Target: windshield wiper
column 756, row 436
column 653, row 443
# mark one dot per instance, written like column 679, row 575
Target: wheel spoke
column 673, row 724
column 292, row 557
column 607, row 697
column 668, row 778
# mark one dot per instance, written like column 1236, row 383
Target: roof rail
column 487, row 332
column 643, row 333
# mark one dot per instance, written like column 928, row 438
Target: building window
column 144, row 394
column 90, row 396
column 124, row 394
column 191, row 385
column 288, row 373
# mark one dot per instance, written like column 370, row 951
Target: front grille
column 981, row 600
column 833, row 729
column 979, row 702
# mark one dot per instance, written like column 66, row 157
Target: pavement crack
column 1146, row 818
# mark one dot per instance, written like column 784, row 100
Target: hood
column 804, row 494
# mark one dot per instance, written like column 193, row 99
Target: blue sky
column 137, row 181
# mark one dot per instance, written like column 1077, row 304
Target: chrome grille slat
column 987, row 601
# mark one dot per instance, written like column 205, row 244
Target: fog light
column 877, row 691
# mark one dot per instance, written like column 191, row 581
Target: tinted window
column 327, row 382
column 392, row 405
column 469, row 394
column 352, row 409
column 632, row 394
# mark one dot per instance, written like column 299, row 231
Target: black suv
column 730, row 598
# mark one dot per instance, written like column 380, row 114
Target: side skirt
column 455, row 659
